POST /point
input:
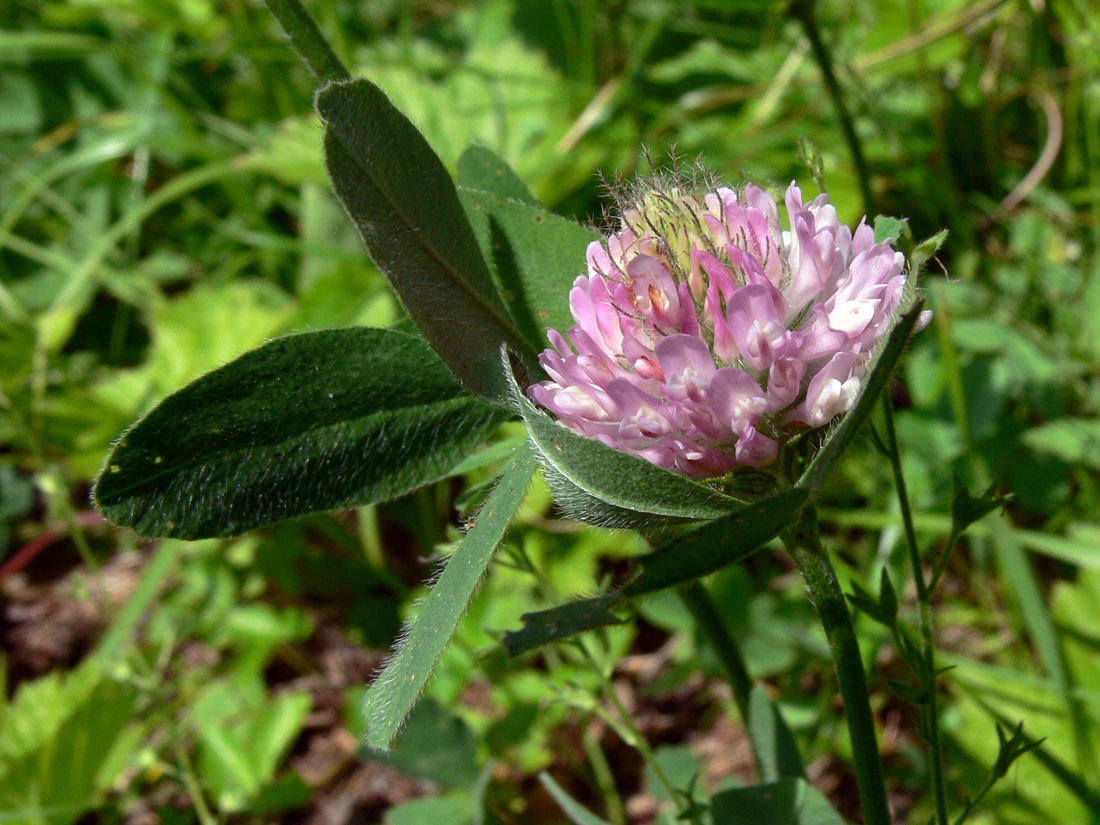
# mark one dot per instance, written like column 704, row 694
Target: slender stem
column 803, row 10
column 190, row 781
column 972, row 805
column 804, row 544
column 903, row 500
column 640, row 743
column 945, row 556
column 928, row 663
column 307, row 39
column 698, row 601
column 616, row 811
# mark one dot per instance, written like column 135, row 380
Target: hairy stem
column 307, row 39
column 804, row 543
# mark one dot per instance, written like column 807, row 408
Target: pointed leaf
column 557, row 623
column 401, row 199
column 926, row 250
column 480, row 168
column 864, row 602
column 884, row 609
column 601, row 485
column 716, row 544
column 776, row 751
column 536, row 256
column 691, row 555
column 967, row 509
column 786, row 802
column 892, row 229
column 398, row 686
column 574, row 810
column 306, row 422
column 1071, row 779
column 873, row 386
column 888, row 598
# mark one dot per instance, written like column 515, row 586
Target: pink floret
column 704, row 336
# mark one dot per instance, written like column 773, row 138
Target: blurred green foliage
column 163, row 207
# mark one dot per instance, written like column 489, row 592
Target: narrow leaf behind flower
column 536, row 256
column 306, row 422
column 716, row 544
column 400, row 683
column 874, row 385
column 403, row 202
column 480, row 168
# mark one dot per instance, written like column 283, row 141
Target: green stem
column 804, row 544
column 927, row 663
column 605, row 779
column 307, row 39
column 698, row 601
column 190, row 781
column 945, row 556
column 803, row 10
column 640, row 743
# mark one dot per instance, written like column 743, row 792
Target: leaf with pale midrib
column 306, row 422
column 403, row 202
column 710, row 547
column 692, row 554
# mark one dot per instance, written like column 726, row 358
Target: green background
column 164, row 207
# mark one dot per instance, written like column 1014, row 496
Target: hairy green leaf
column 557, row 623
column 716, row 544
column 403, row 202
column 400, row 683
column 306, row 422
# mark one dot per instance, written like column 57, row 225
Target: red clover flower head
column 706, row 334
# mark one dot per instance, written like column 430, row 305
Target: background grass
column 163, row 207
